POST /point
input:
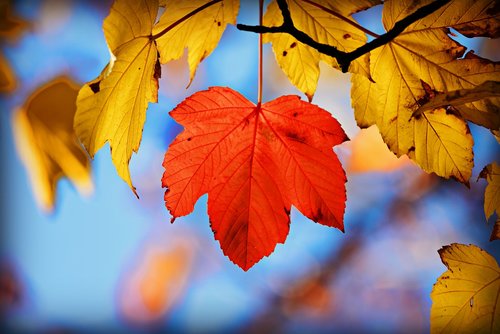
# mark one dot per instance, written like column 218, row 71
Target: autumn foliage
column 254, row 162
column 415, row 83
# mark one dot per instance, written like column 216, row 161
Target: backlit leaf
column 492, row 192
column 408, row 72
column 46, row 142
column 199, row 33
column 470, row 18
column 254, row 162
column 332, row 26
column 457, row 98
column 465, row 299
column 113, row 106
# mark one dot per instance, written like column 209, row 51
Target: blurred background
column 109, row 262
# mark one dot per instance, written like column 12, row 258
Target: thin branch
column 184, row 18
column 344, row 59
column 259, row 88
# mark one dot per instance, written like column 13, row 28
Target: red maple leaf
column 254, row 162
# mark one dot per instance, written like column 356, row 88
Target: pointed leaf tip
column 112, row 108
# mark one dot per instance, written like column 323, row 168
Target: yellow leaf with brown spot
column 465, row 299
column 325, row 21
column 422, row 62
column 112, row 108
column 196, row 25
column 46, row 142
column 492, row 192
column 455, row 100
column 471, row 18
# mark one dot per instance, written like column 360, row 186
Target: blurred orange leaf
column 369, row 153
column 46, row 142
column 157, row 283
column 11, row 291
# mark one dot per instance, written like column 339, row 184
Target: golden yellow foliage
column 46, row 142
column 199, row 33
column 492, row 192
column 113, row 107
column 326, row 21
column 408, row 72
column 471, row 18
column 465, row 299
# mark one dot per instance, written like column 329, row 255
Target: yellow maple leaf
column 492, row 192
column 325, row 21
column 471, row 18
column 465, row 299
column 418, row 64
column 113, row 106
column 196, row 25
column 46, row 142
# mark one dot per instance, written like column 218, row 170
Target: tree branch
column 344, row 59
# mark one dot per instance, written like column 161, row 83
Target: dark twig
column 344, row 59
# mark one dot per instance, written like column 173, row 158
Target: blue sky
column 71, row 263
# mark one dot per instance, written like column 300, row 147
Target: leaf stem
column 184, row 18
column 344, row 59
column 259, row 88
